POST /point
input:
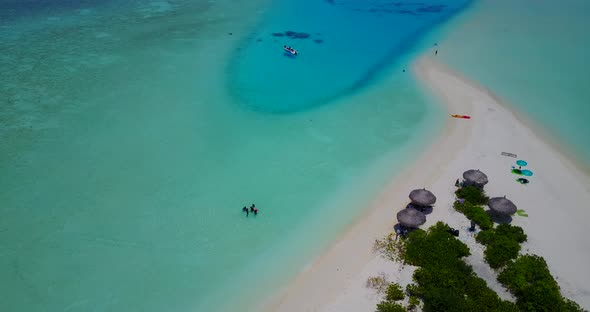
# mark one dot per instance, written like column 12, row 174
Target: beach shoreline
column 335, row 281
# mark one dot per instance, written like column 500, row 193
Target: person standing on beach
column 246, row 210
column 435, row 52
column 252, row 208
column 255, row 211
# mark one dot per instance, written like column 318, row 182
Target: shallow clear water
column 533, row 54
column 128, row 151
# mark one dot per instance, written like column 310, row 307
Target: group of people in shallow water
column 253, row 210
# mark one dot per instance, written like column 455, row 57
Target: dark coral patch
column 296, row 35
column 408, row 12
column 318, row 40
column 432, row 8
column 278, row 34
column 379, row 10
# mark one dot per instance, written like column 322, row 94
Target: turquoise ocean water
column 534, row 55
column 132, row 133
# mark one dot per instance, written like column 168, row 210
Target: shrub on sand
column 475, row 213
column 386, row 306
column 529, row 280
column 501, row 251
column 571, row 306
column 515, row 233
column 473, row 195
column 394, row 292
column 413, row 303
column 502, row 244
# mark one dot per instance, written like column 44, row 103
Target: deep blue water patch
column 358, row 39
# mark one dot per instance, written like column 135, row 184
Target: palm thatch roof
column 410, row 217
column 422, row 197
column 475, row 177
column 502, row 205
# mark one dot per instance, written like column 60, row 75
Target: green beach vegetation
column 474, row 213
column 502, row 244
column 527, row 277
column 386, row 306
column 473, row 195
column 471, row 206
column 443, row 280
column 529, row 280
column 393, row 294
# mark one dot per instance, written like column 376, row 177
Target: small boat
column 461, row 116
column 290, row 50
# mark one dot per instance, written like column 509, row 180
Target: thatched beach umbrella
column 410, row 217
column 475, row 178
column 422, row 197
column 502, row 205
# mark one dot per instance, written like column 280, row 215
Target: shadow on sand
column 499, row 218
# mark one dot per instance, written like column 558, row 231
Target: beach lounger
column 509, row 154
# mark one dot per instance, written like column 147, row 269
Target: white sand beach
column 555, row 200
